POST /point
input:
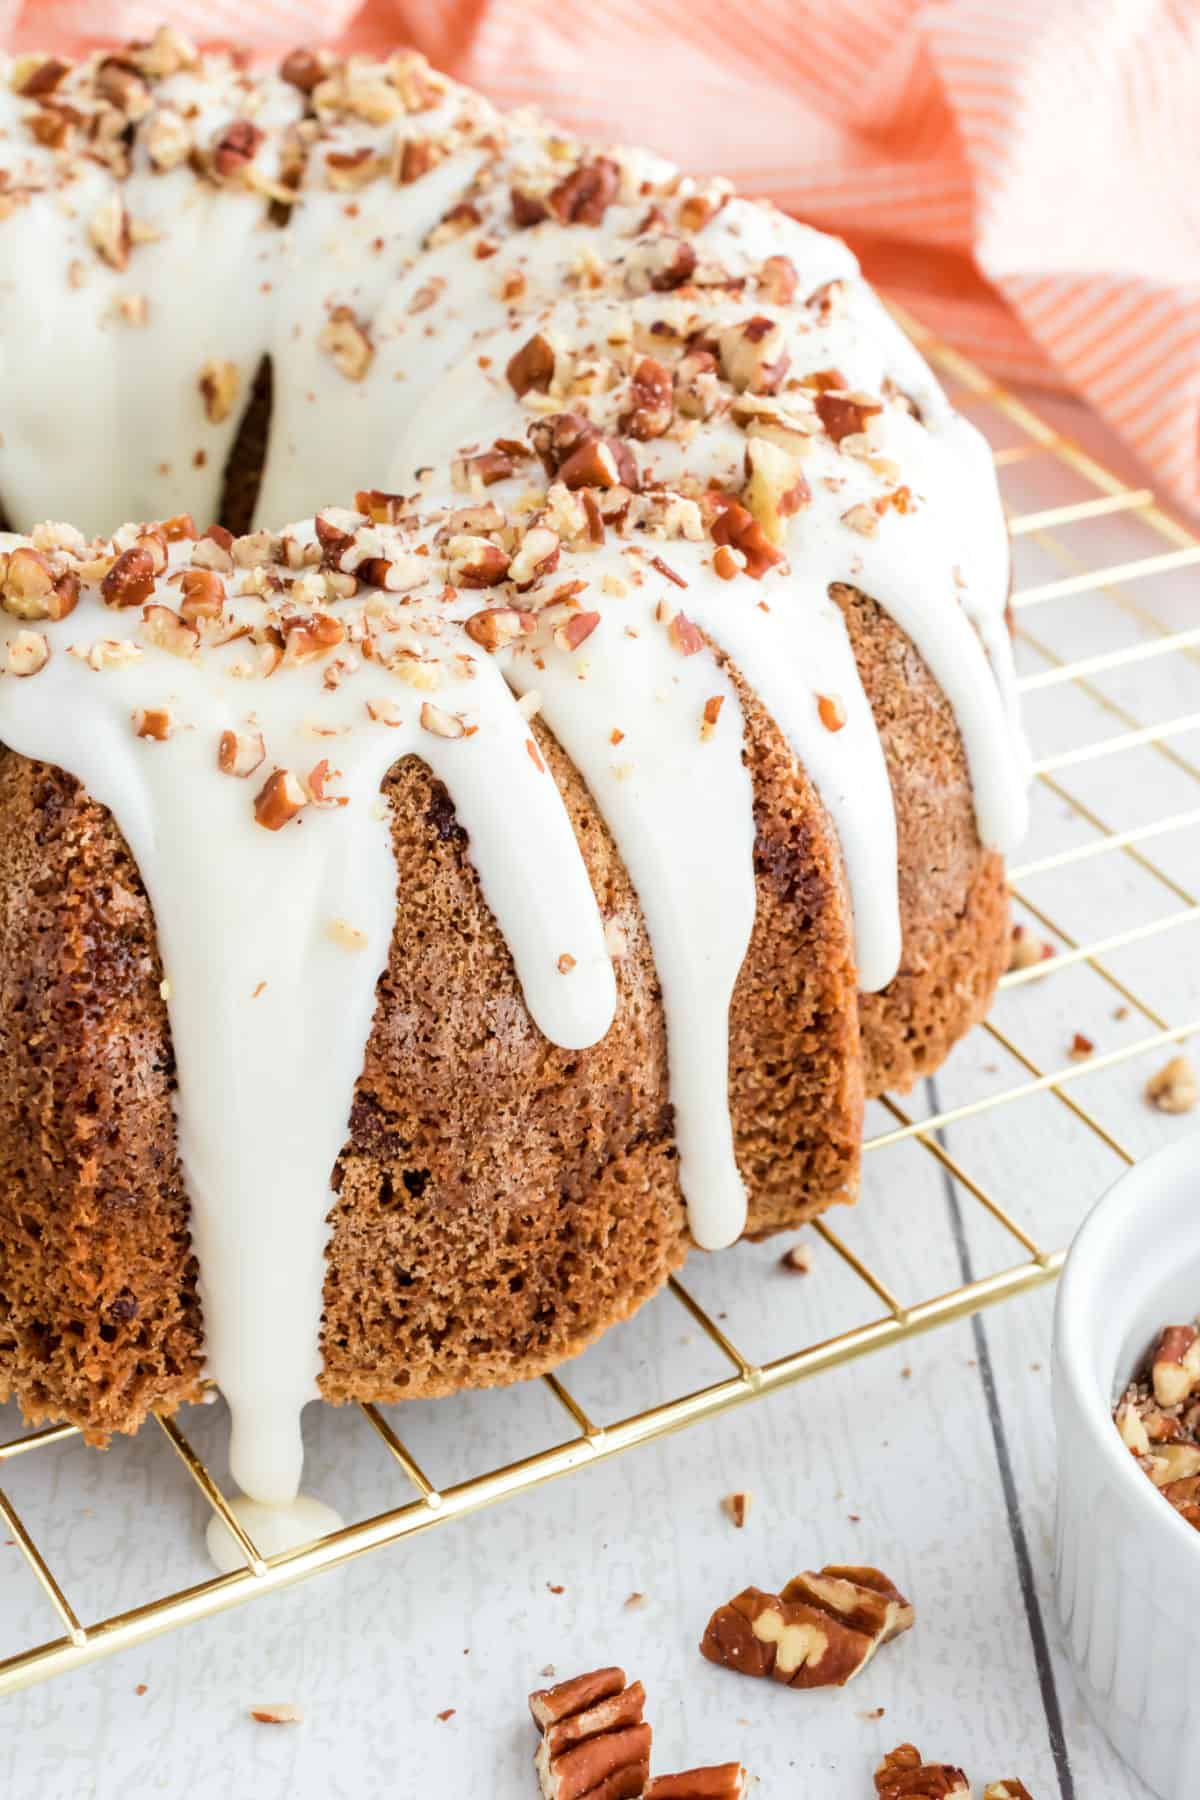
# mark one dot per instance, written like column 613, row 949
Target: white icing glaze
column 273, row 1530
column 267, row 1072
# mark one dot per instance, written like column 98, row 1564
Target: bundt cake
column 421, row 923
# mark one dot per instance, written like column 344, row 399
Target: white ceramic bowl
column 1127, row 1566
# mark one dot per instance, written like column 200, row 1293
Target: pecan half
column 594, row 1739
column 819, row 1632
column 723, row 1781
column 904, row 1775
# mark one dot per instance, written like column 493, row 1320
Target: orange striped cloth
column 1023, row 174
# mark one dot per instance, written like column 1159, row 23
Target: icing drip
column 272, row 1529
column 272, row 946
column 430, row 248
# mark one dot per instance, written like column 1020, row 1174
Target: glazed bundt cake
column 421, row 923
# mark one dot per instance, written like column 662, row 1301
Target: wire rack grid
column 1018, row 435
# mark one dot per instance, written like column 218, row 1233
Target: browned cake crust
column 500, row 1200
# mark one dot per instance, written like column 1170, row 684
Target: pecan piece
column 722, row 1781
column 347, row 340
column 1173, row 1088
column 32, row 590
column 240, row 753
column 1175, row 1368
column 532, row 366
column 27, row 653
column 279, row 800
column 1010, row 1789
column 594, row 1739
column 752, row 356
column 777, row 280
column 154, row 722
column 819, row 1632
column 496, row 626
column 130, row 581
column 651, row 406
column 775, row 489
column 218, row 383
column 235, row 148
column 737, row 527
column 659, row 264
column 585, row 195
column 903, row 1775
column 844, row 415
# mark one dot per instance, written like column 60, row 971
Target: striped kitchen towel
column 1023, row 174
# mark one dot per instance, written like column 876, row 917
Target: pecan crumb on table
column 1158, row 1417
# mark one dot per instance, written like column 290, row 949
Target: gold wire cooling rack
column 1173, row 547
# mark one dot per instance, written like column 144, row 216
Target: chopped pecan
column 27, row 653
column 1175, row 1366
column 736, row 1507
column 576, row 630
column 347, row 340
column 235, row 148
column 1026, row 949
column 279, row 800
column 600, row 462
column 536, row 555
column 240, row 753
column 417, row 158
column 109, row 232
column 651, row 406
column 723, row 1781
column 845, row 414
column 164, row 628
column 594, row 1739
column 819, row 1632
column 33, row 590
column 753, row 358
column 584, row 196
column 697, row 384
column 496, row 626
column 130, row 581
column 532, row 366
column 1010, row 1789
column 201, row 595
column 43, row 77
column 304, row 69
column 737, row 527
column 474, row 562
column 659, row 264
column 219, row 382
column 776, row 488
column 153, row 722
column 1173, row 1088
column 777, row 280
column 442, row 724
column 903, row 1775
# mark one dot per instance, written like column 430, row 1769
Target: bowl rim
column 1090, row 1262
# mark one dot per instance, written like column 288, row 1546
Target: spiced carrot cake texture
column 538, row 759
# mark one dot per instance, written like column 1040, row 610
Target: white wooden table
column 933, row 1461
